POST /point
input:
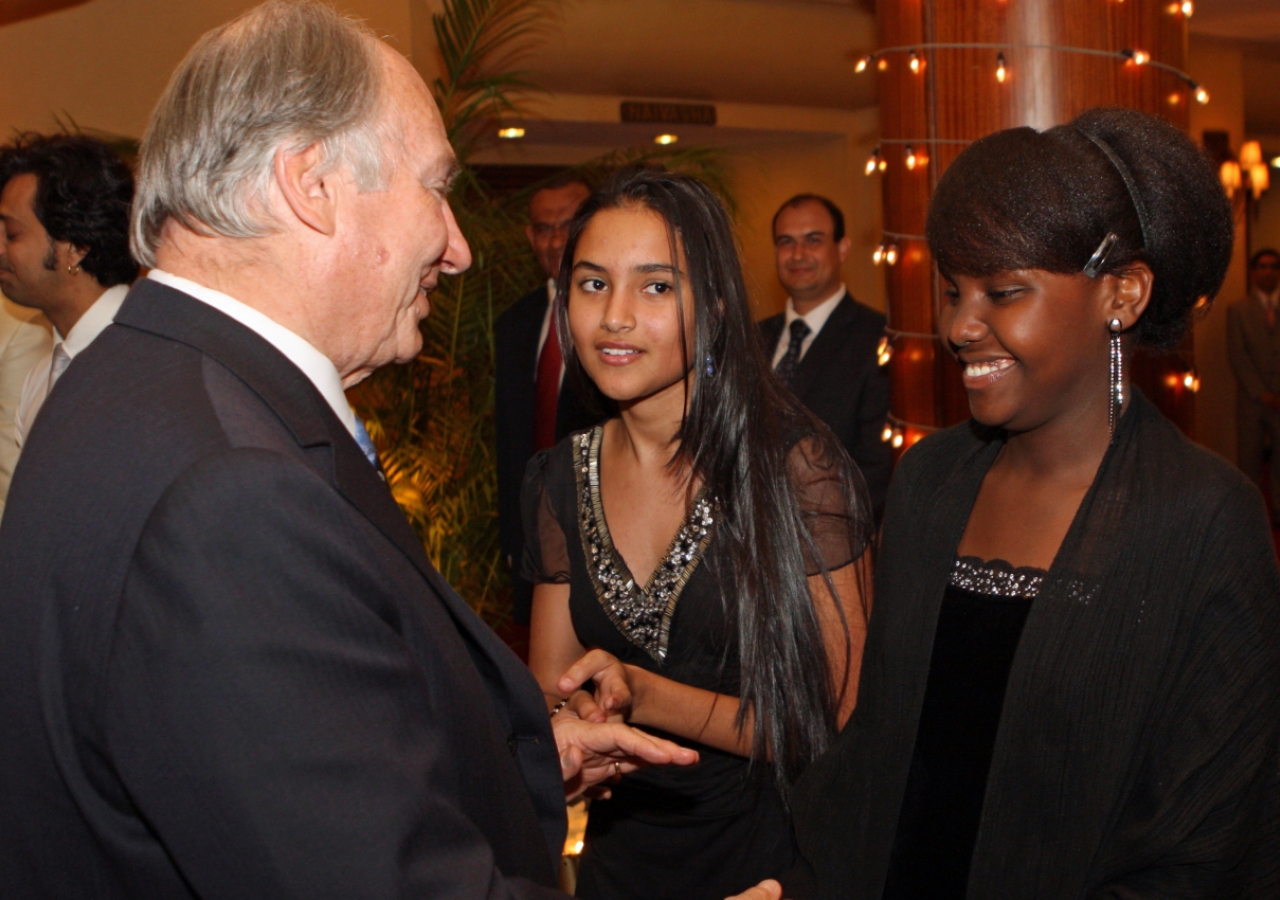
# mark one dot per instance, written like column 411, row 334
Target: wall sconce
column 1249, row 171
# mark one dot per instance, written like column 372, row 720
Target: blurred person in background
column 533, row 405
column 25, row 337
column 824, row 344
column 64, row 205
column 1253, row 346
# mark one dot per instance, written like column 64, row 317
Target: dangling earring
column 73, row 270
column 711, row 366
column 1115, row 405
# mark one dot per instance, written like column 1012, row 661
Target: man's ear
column 309, row 191
column 1131, row 295
column 842, row 247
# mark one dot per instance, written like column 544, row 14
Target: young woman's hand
column 613, row 680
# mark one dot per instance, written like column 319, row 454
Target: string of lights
column 916, row 61
column 896, row 430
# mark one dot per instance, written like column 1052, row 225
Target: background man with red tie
column 1253, row 346
column 533, row 406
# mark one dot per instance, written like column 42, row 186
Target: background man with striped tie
column 824, row 344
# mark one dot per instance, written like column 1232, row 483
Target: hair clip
column 1099, row 258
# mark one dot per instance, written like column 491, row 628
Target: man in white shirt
column 824, row 344
column 64, row 207
column 1253, row 347
column 25, row 337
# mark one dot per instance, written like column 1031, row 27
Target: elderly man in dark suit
column 229, row 669
column 533, row 405
column 824, row 344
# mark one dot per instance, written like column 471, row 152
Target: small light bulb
column 873, row 162
column 884, row 164
column 877, row 256
column 915, row 63
column 666, row 139
column 1002, row 71
column 1175, row 98
column 882, row 64
column 884, row 351
column 1188, row 8
column 511, row 133
column 897, row 437
column 1139, row 57
column 910, row 157
column 891, row 254
column 887, row 434
column 861, row 65
column 1202, row 96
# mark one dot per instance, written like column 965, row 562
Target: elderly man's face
column 398, row 240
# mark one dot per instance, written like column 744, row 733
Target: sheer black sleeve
column 833, row 504
column 546, row 488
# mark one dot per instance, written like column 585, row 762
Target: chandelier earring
column 1115, row 398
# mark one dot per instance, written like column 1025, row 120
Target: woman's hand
column 613, row 680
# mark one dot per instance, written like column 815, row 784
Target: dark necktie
column 546, row 390
column 791, row 359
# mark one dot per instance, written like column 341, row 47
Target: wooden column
column 1060, row 60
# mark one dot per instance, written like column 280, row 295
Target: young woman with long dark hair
column 1072, row 677
column 698, row 559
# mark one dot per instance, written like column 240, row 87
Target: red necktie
column 546, row 390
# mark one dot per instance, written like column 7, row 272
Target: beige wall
column 1219, row 66
column 104, row 64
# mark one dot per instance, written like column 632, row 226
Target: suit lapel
column 283, row 387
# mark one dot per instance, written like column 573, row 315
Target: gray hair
column 289, row 73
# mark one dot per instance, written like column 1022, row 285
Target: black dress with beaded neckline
column 716, row 828
column 983, row 612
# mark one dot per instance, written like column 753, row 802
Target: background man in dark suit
column 1253, row 346
column 229, row 669
column 533, row 406
column 824, row 344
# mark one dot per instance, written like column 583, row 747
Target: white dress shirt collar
column 93, row 321
column 318, row 368
column 814, row 318
column 1268, row 301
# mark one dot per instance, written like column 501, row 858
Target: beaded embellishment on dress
column 996, row 577
column 642, row 614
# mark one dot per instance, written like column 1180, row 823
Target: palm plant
column 433, row 419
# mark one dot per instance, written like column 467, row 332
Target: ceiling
column 785, row 52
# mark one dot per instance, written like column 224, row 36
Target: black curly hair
column 1022, row 199
column 83, row 192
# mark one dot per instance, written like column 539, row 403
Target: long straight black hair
column 738, row 434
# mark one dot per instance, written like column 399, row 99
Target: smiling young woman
column 1071, row 680
column 700, row 559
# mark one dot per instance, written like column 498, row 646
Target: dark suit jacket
column 515, row 342
column 229, row 669
column 840, row 381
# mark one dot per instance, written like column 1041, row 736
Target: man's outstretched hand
column 594, row 752
column 765, row 890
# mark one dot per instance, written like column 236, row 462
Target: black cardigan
column 1137, row 750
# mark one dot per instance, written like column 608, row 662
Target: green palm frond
column 480, row 41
